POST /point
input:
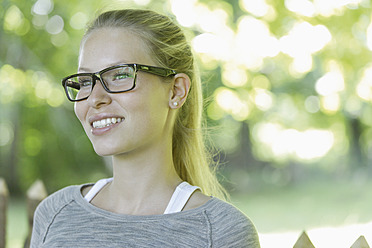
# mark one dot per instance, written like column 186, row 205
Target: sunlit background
column 289, row 92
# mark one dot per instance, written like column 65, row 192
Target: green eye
column 120, row 76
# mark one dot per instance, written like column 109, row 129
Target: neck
column 143, row 173
column 143, row 184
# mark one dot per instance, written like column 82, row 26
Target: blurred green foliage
column 288, row 83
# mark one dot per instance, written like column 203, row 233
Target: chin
column 102, row 152
column 107, row 151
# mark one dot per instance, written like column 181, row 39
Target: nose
column 99, row 96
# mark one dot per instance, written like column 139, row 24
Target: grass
column 306, row 206
column 274, row 210
column 334, row 213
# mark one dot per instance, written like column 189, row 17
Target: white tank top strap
column 96, row 188
column 177, row 202
column 180, row 197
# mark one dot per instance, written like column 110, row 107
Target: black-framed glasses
column 114, row 79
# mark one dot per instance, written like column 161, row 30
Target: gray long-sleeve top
column 66, row 219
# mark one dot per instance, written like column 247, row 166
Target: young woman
column 139, row 99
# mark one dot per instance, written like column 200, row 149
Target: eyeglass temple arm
column 72, row 84
column 156, row 70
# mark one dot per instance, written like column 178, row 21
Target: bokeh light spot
column 6, row 133
column 15, row 21
column 43, row 7
column 263, row 99
column 33, row 143
column 54, row 25
column 312, row 104
column 234, row 76
column 258, row 8
column 59, row 39
column 330, row 83
column 56, row 98
column 79, row 20
column 231, row 103
column 331, row 103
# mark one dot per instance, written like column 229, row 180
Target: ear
column 179, row 90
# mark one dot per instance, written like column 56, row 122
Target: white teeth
column 106, row 122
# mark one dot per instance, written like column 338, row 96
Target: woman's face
column 141, row 115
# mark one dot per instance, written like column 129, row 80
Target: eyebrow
column 83, row 69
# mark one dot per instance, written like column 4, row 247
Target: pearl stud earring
column 175, row 104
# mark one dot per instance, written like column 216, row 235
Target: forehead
column 104, row 47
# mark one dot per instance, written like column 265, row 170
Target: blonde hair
column 170, row 49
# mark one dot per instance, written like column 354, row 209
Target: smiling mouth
column 106, row 122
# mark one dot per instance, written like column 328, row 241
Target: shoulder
column 54, row 202
column 231, row 226
column 223, row 209
column 59, row 197
column 48, row 209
